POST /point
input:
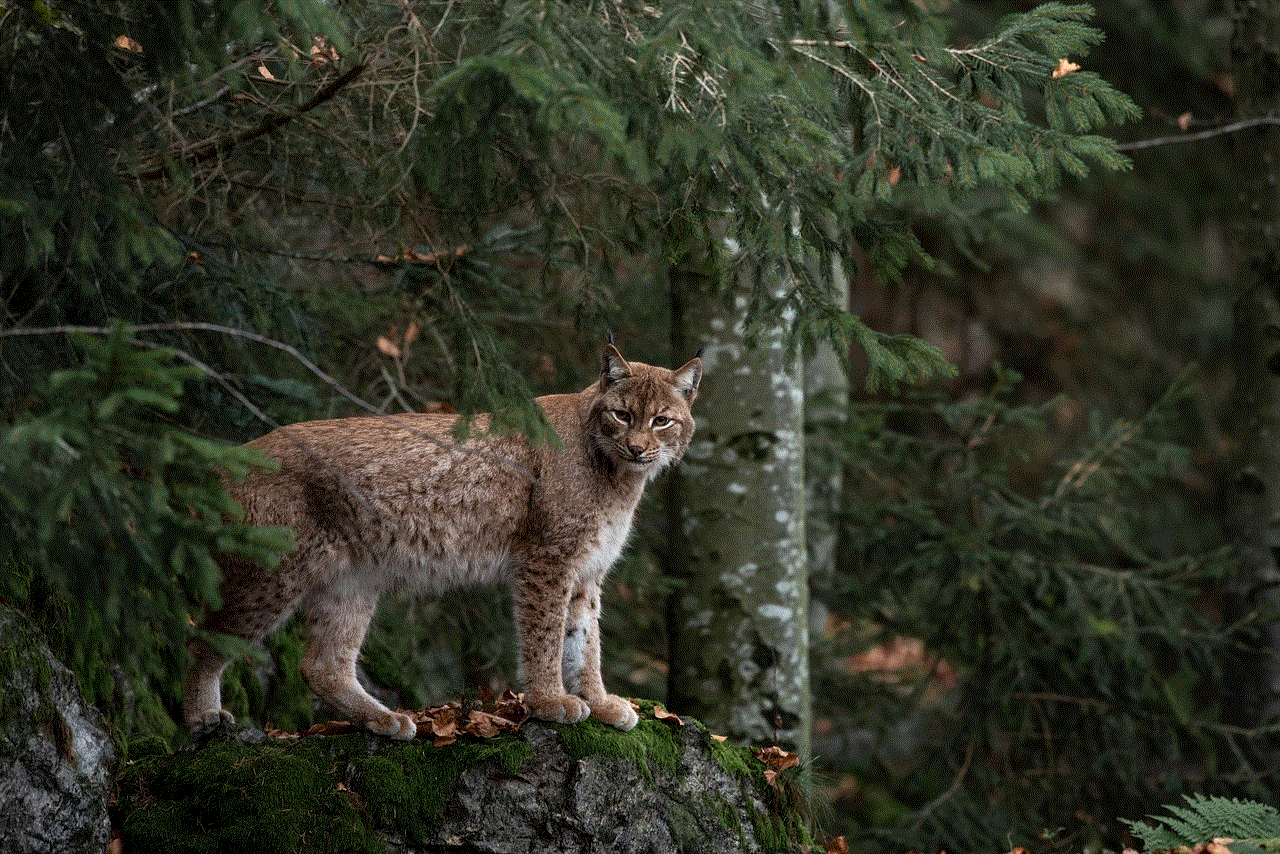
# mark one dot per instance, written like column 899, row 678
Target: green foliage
column 1249, row 825
column 113, row 517
column 1062, row 650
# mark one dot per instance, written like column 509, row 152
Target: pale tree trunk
column 826, row 402
column 1251, row 684
column 738, row 626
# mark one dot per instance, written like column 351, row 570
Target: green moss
column 407, row 788
column 273, row 798
column 310, row 796
column 147, row 745
column 735, row 759
column 650, row 743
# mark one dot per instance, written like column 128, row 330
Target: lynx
column 380, row 502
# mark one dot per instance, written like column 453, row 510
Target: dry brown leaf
column 895, row 175
column 276, row 732
column 265, row 72
column 387, row 348
column 116, row 845
column 837, row 846
column 775, row 757
column 411, row 332
column 719, row 737
column 126, row 43
column 331, row 728
column 1064, row 67
column 663, row 715
column 322, row 53
column 1184, row 121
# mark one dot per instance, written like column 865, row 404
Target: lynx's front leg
column 541, row 593
column 581, row 660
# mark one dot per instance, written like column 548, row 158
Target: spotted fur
column 378, row 502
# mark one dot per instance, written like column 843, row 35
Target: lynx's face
column 640, row 418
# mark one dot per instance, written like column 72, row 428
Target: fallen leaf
column 126, row 43
column 1064, row 66
column 719, row 737
column 411, row 335
column 837, row 846
column 265, row 72
column 895, row 175
column 387, row 348
column 342, row 787
column 331, row 728
column 1184, row 121
column 663, row 715
column 775, row 757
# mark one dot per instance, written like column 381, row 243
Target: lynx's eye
column 622, row 416
column 660, row 421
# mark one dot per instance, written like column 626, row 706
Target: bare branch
column 1242, row 124
column 218, row 147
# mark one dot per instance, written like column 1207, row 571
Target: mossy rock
column 581, row 788
column 56, row 759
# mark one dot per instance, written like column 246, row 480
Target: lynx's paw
column 393, row 725
column 210, row 721
column 561, row 708
column 615, row 711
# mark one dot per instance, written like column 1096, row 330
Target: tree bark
column 738, row 626
column 1251, row 684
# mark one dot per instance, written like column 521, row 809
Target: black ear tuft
column 685, row 378
column 608, row 335
column 612, row 366
column 701, row 350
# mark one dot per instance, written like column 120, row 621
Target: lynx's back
column 384, row 496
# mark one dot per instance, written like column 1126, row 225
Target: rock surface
column 661, row 788
column 56, row 761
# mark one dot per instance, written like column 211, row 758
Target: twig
column 179, row 326
column 1242, row 124
column 217, row 147
column 928, row 808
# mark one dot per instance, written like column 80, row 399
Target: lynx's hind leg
column 255, row 601
column 337, row 618
column 580, row 664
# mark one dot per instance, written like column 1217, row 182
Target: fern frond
column 1249, row 824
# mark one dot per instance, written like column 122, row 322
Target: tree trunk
column 738, row 626
column 1251, row 684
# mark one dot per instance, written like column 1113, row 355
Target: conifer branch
column 216, row 147
column 195, row 326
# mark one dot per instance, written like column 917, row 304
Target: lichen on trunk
column 738, row 624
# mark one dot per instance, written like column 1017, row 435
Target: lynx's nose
column 636, row 450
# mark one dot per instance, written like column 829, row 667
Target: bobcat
column 378, row 502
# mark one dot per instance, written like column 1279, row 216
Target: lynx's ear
column 613, row 367
column 685, row 378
